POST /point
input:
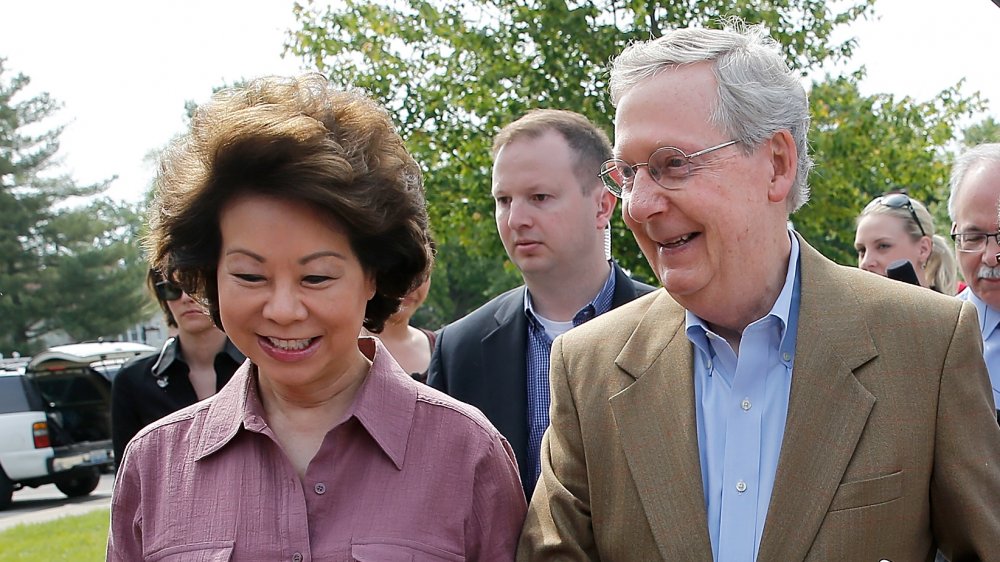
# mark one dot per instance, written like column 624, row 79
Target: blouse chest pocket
column 215, row 551
column 399, row 550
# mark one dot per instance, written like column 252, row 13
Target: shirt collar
column 988, row 316
column 600, row 304
column 785, row 309
column 171, row 351
column 384, row 406
column 386, row 401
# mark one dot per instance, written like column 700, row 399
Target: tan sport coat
column 890, row 449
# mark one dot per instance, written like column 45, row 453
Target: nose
column 990, row 251
column 284, row 305
column 518, row 215
column 646, row 199
column 869, row 263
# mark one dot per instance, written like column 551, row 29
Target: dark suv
column 55, row 417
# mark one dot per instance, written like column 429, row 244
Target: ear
column 605, row 207
column 926, row 246
column 371, row 285
column 784, row 158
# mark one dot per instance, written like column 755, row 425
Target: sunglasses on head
column 167, row 291
column 899, row 201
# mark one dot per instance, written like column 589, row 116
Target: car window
column 72, row 387
column 12, row 396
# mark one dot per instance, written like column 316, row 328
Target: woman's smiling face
column 292, row 293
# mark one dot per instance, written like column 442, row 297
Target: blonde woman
column 895, row 227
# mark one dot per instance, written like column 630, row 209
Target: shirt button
column 297, row 557
column 709, row 364
column 741, row 486
column 320, row 488
column 745, row 404
column 787, row 356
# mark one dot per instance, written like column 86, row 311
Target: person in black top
column 191, row 366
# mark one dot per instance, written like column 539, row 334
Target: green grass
column 79, row 538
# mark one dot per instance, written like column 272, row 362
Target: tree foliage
column 868, row 145
column 62, row 268
column 453, row 73
column 987, row 130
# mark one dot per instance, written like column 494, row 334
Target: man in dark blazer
column 552, row 214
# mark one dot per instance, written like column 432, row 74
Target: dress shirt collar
column 988, row 316
column 384, row 405
column 171, row 351
column 785, row 309
column 600, row 304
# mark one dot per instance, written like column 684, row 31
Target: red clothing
column 408, row 472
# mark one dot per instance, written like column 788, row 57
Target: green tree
column 453, row 73
column 988, row 130
column 867, row 145
column 74, row 269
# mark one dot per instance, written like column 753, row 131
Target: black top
column 147, row 389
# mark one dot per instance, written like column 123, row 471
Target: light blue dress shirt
column 741, row 404
column 988, row 320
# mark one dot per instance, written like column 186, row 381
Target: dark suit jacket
column 481, row 359
column 890, row 447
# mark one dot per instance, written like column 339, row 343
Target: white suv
column 55, row 417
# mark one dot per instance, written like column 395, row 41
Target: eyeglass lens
column 665, row 162
column 974, row 241
column 168, row 291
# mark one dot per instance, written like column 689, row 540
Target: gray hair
column 758, row 95
column 983, row 153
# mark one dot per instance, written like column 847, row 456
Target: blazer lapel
column 827, row 409
column 504, row 391
column 658, row 430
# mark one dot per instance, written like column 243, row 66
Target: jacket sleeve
column 965, row 483
column 435, row 371
column 558, row 525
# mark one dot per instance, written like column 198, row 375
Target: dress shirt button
column 320, row 488
column 709, row 364
column 741, row 486
column 786, row 356
column 297, row 557
column 745, row 404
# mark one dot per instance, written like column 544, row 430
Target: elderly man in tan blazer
column 768, row 404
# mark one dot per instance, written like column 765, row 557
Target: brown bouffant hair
column 589, row 144
column 298, row 139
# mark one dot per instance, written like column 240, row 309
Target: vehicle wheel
column 6, row 491
column 79, row 483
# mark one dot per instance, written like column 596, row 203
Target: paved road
column 44, row 503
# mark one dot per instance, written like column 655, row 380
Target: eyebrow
column 875, row 241
column 306, row 259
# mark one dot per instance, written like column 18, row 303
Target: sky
column 123, row 69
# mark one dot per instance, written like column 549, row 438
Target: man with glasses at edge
column 975, row 193
column 768, row 404
column 191, row 366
